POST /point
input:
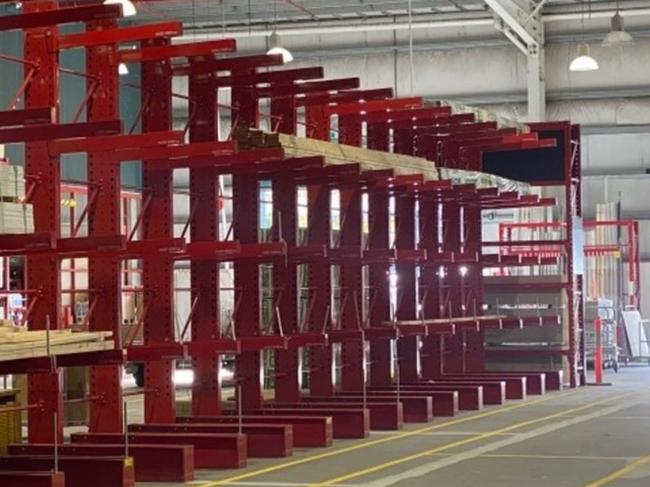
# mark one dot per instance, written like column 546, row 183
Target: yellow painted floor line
column 639, row 462
column 524, row 456
column 399, row 436
column 489, row 434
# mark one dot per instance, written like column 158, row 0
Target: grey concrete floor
column 590, row 437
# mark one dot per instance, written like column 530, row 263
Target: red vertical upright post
column 317, row 120
column 321, row 380
column 431, row 352
column 404, row 141
column 598, row 352
column 204, row 227
column 380, row 350
column 350, row 130
column 283, row 114
column 104, row 219
column 352, row 352
column 471, row 275
column 245, row 112
column 285, row 277
column 454, row 345
column 378, row 136
column 380, row 366
column 247, row 276
column 43, row 271
column 285, row 282
column 247, row 288
column 158, row 275
column 407, row 347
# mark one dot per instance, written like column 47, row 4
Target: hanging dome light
column 617, row 35
column 276, row 49
column 122, row 69
column 583, row 61
column 128, row 9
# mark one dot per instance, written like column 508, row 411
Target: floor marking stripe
column 367, row 444
column 620, row 473
column 523, row 456
column 408, row 458
column 442, row 433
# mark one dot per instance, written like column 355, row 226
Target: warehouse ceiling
column 260, row 14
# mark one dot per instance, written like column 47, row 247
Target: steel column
column 317, row 119
column 204, row 227
column 104, row 219
column 454, row 345
column 43, row 271
column 431, row 352
column 285, row 282
column 380, row 350
column 472, row 282
column 157, row 271
column 247, row 288
column 321, row 379
column 407, row 347
column 352, row 352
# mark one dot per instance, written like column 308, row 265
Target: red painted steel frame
column 42, row 271
column 104, row 271
column 157, row 272
column 204, row 195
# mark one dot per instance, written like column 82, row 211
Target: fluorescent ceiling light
column 277, row 49
column 122, row 69
column 617, row 35
column 583, row 61
column 128, row 9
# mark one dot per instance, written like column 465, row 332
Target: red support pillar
column 352, row 352
column 247, row 274
column 321, row 379
column 431, row 352
column 472, row 282
column 380, row 350
column 247, row 289
column 454, row 345
column 407, row 347
column 350, row 130
column 104, row 219
column 43, row 271
column 157, row 275
column 378, row 136
column 317, row 119
column 204, row 227
column 283, row 115
column 285, row 282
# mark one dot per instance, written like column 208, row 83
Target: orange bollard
column 598, row 352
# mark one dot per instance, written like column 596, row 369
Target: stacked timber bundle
column 15, row 215
column 250, row 138
column 16, row 342
column 334, row 153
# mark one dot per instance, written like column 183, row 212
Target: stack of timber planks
column 16, row 342
column 15, row 215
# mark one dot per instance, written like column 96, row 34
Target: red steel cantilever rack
column 437, row 251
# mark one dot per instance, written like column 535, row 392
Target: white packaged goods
column 15, row 217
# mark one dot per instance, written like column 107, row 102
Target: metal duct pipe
column 400, row 26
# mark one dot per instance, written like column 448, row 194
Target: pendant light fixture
column 275, row 48
column 617, row 35
column 128, row 9
column 583, row 60
column 122, row 69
